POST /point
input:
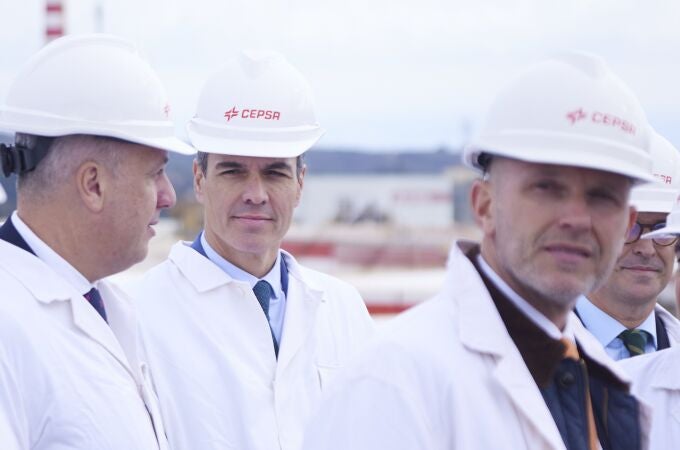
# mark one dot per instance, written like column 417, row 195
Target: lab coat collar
column 119, row 333
column 202, row 273
column 36, row 276
column 665, row 376
column 29, row 269
column 205, row 275
column 482, row 330
column 302, row 302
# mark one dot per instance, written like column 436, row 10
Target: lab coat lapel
column 89, row 322
column 123, row 324
column 47, row 288
column 483, row 331
column 514, row 377
column 302, row 302
column 512, row 374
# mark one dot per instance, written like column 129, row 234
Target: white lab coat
column 656, row 379
column 671, row 323
column 212, row 360
column 67, row 379
column 445, row 375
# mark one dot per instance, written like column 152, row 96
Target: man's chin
column 566, row 292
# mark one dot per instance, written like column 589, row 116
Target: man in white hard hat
column 497, row 360
column 655, row 375
column 676, row 278
column 242, row 338
column 623, row 313
column 92, row 138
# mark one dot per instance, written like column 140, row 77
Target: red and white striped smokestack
column 54, row 19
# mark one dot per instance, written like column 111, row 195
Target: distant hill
column 361, row 162
column 319, row 161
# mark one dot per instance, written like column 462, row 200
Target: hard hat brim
column 154, row 134
column 665, row 231
column 564, row 150
column 288, row 143
column 653, row 198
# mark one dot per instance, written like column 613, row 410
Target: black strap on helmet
column 19, row 159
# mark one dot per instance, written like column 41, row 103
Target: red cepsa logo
column 665, row 179
column 601, row 118
column 264, row 114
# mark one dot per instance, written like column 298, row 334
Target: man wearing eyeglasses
column 623, row 314
column 654, row 376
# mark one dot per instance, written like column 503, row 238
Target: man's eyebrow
column 279, row 165
column 228, row 165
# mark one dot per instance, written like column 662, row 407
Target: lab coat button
column 566, row 379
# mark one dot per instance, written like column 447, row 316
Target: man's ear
column 481, row 199
column 199, row 178
column 91, row 184
column 301, row 183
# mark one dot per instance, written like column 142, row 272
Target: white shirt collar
column 527, row 309
column 62, row 267
column 604, row 327
column 273, row 277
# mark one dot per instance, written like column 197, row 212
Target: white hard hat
column 660, row 195
column 91, row 84
column 672, row 223
column 3, row 195
column 570, row 110
column 255, row 105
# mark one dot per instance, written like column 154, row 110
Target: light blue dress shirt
column 277, row 304
column 606, row 329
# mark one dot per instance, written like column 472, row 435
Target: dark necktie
column 263, row 291
column 635, row 341
column 96, row 301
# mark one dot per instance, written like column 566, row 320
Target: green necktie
column 635, row 341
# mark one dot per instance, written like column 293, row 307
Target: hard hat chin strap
column 19, row 159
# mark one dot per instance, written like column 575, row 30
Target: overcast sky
column 387, row 74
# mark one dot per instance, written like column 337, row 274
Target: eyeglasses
column 638, row 229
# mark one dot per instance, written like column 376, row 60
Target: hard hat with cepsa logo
column 672, row 226
column 569, row 110
column 660, row 195
column 257, row 104
column 91, row 84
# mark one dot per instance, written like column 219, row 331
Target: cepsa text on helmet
column 602, row 119
column 263, row 114
column 665, row 179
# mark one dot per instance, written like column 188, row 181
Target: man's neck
column 629, row 314
column 256, row 264
column 65, row 237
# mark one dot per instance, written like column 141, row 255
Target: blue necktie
column 96, row 301
column 263, row 291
